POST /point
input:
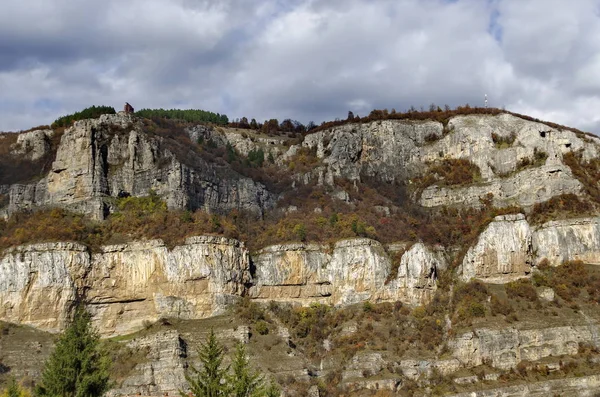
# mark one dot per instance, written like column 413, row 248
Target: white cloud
column 303, row 59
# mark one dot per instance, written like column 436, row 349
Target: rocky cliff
column 377, row 149
column 509, row 248
column 125, row 286
column 130, row 285
column 116, row 156
column 433, row 331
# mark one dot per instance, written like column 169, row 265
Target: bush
column 262, row 327
column 450, row 172
column 502, row 142
column 521, row 289
column 564, row 204
column 568, row 280
column 469, row 301
column 500, row 306
column 588, row 173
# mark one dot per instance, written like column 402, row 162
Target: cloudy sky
column 299, row 59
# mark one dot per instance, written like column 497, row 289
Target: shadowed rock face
column 112, row 156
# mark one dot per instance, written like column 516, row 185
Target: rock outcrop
column 125, row 285
column 567, row 240
column 130, row 285
column 502, row 252
column 583, row 386
column 32, row 145
column 355, row 270
column 162, row 368
column 505, row 348
column 509, row 248
column 400, row 150
column 114, row 156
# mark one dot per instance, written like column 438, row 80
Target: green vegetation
column 569, row 280
column 188, row 115
column 92, row 112
column 15, row 390
column 502, row 142
column 213, row 378
column 77, row 367
column 538, row 159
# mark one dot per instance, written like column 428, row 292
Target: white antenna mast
column 486, row 103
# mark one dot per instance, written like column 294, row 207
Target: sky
column 307, row 60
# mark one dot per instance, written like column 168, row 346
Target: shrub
column 588, row 173
column 521, row 289
column 449, row 172
column 503, row 141
column 564, row 204
column 568, row 280
column 538, row 159
column 469, row 301
column 262, row 327
column 500, row 306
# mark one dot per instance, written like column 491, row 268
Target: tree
column 243, row 381
column 208, row 380
column 214, row 379
column 14, row 389
column 77, row 367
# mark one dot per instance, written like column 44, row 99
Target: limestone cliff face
column 398, row 149
column 509, row 248
column 130, row 284
column 38, row 283
column 505, row 348
column 113, row 156
column 501, row 253
column 125, row 285
column 571, row 239
column 354, row 270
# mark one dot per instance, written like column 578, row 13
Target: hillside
column 434, row 252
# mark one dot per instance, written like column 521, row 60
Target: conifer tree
column 13, row 389
column 77, row 367
column 244, row 382
column 208, row 381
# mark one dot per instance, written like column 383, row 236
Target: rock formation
column 114, row 156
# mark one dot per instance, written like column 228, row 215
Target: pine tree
column 13, row 389
column 244, row 382
column 77, row 367
column 208, row 380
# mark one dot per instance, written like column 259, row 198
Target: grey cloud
column 303, row 59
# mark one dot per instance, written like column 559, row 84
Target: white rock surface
column 567, row 240
column 502, row 252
